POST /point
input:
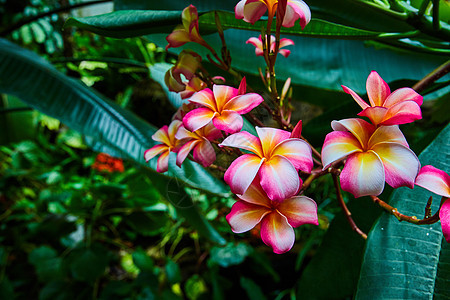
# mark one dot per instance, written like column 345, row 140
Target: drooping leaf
column 403, row 260
column 110, row 127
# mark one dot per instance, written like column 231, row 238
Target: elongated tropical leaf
column 29, row 77
column 406, row 261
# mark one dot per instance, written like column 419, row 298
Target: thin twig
column 410, row 219
column 441, row 71
column 347, row 212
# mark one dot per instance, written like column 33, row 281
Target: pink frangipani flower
column 166, row 136
column 257, row 42
column 223, row 106
column 188, row 31
column 374, row 155
column 277, row 218
column 399, row 107
column 275, row 157
column 199, row 142
column 252, row 10
column 438, row 182
column 187, row 64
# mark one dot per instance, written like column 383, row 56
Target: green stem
column 432, row 77
column 423, row 7
column 436, row 22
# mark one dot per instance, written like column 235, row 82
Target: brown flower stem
column 255, row 120
column 432, row 77
column 314, row 151
column 347, row 212
column 216, row 167
column 410, row 219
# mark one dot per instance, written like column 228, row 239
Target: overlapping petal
column 259, row 48
column 434, row 180
column 184, row 151
column 399, row 107
column 204, row 153
column 363, row 174
column 277, row 233
column 244, row 216
column 243, row 104
column 387, row 134
column 154, row 151
column 197, row 118
column 401, row 165
column 163, row 162
column 228, row 121
column 297, row 151
column 271, row 137
column 242, row 171
column 223, row 94
column 244, row 140
column 204, row 97
column 361, row 129
column 279, row 179
column 337, row 145
column 297, row 10
column 299, row 210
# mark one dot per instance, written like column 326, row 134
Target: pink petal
column 210, row 132
column 244, row 216
column 173, row 129
column 253, row 11
column 434, row 180
column 172, row 83
column 177, row 38
column 363, row 175
column 183, row 133
column 375, row 114
column 162, row 135
column 270, row 137
column 241, row 172
column 277, row 233
column 154, row 151
column 223, row 94
column 356, row 97
column 204, row 153
column 387, row 134
column 444, row 215
column 377, row 89
column 401, row 165
column 361, row 129
column 284, row 52
column 197, row 118
column 286, row 42
column 206, row 98
column 401, row 95
column 296, row 9
column 402, row 113
column 239, row 9
column 243, row 85
column 243, row 140
column 297, row 131
column 228, row 121
column 297, row 151
column 337, row 145
column 163, row 162
column 184, row 151
column 299, row 210
column 256, row 195
column 189, row 15
column 243, row 104
column 279, row 179
column 255, row 42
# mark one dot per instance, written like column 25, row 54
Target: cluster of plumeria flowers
column 266, row 173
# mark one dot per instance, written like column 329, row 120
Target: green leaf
column 88, row 264
column 122, row 24
column 142, row 260
column 109, row 127
column 173, row 272
column 230, row 255
column 252, row 289
column 46, row 262
column 403, row 260
column 334, row 270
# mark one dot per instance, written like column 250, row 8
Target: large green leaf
column 406, row 261
column 29, row 77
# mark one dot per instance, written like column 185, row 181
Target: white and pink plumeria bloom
column 188, row 31
column 438, row 182
column 257, row 42
column 223, row 105
column 166, row 136
column 277, row 218
column 374, row 155
column 399, row 107
column 252, row 10
column 198, row 142
column 274, row 156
